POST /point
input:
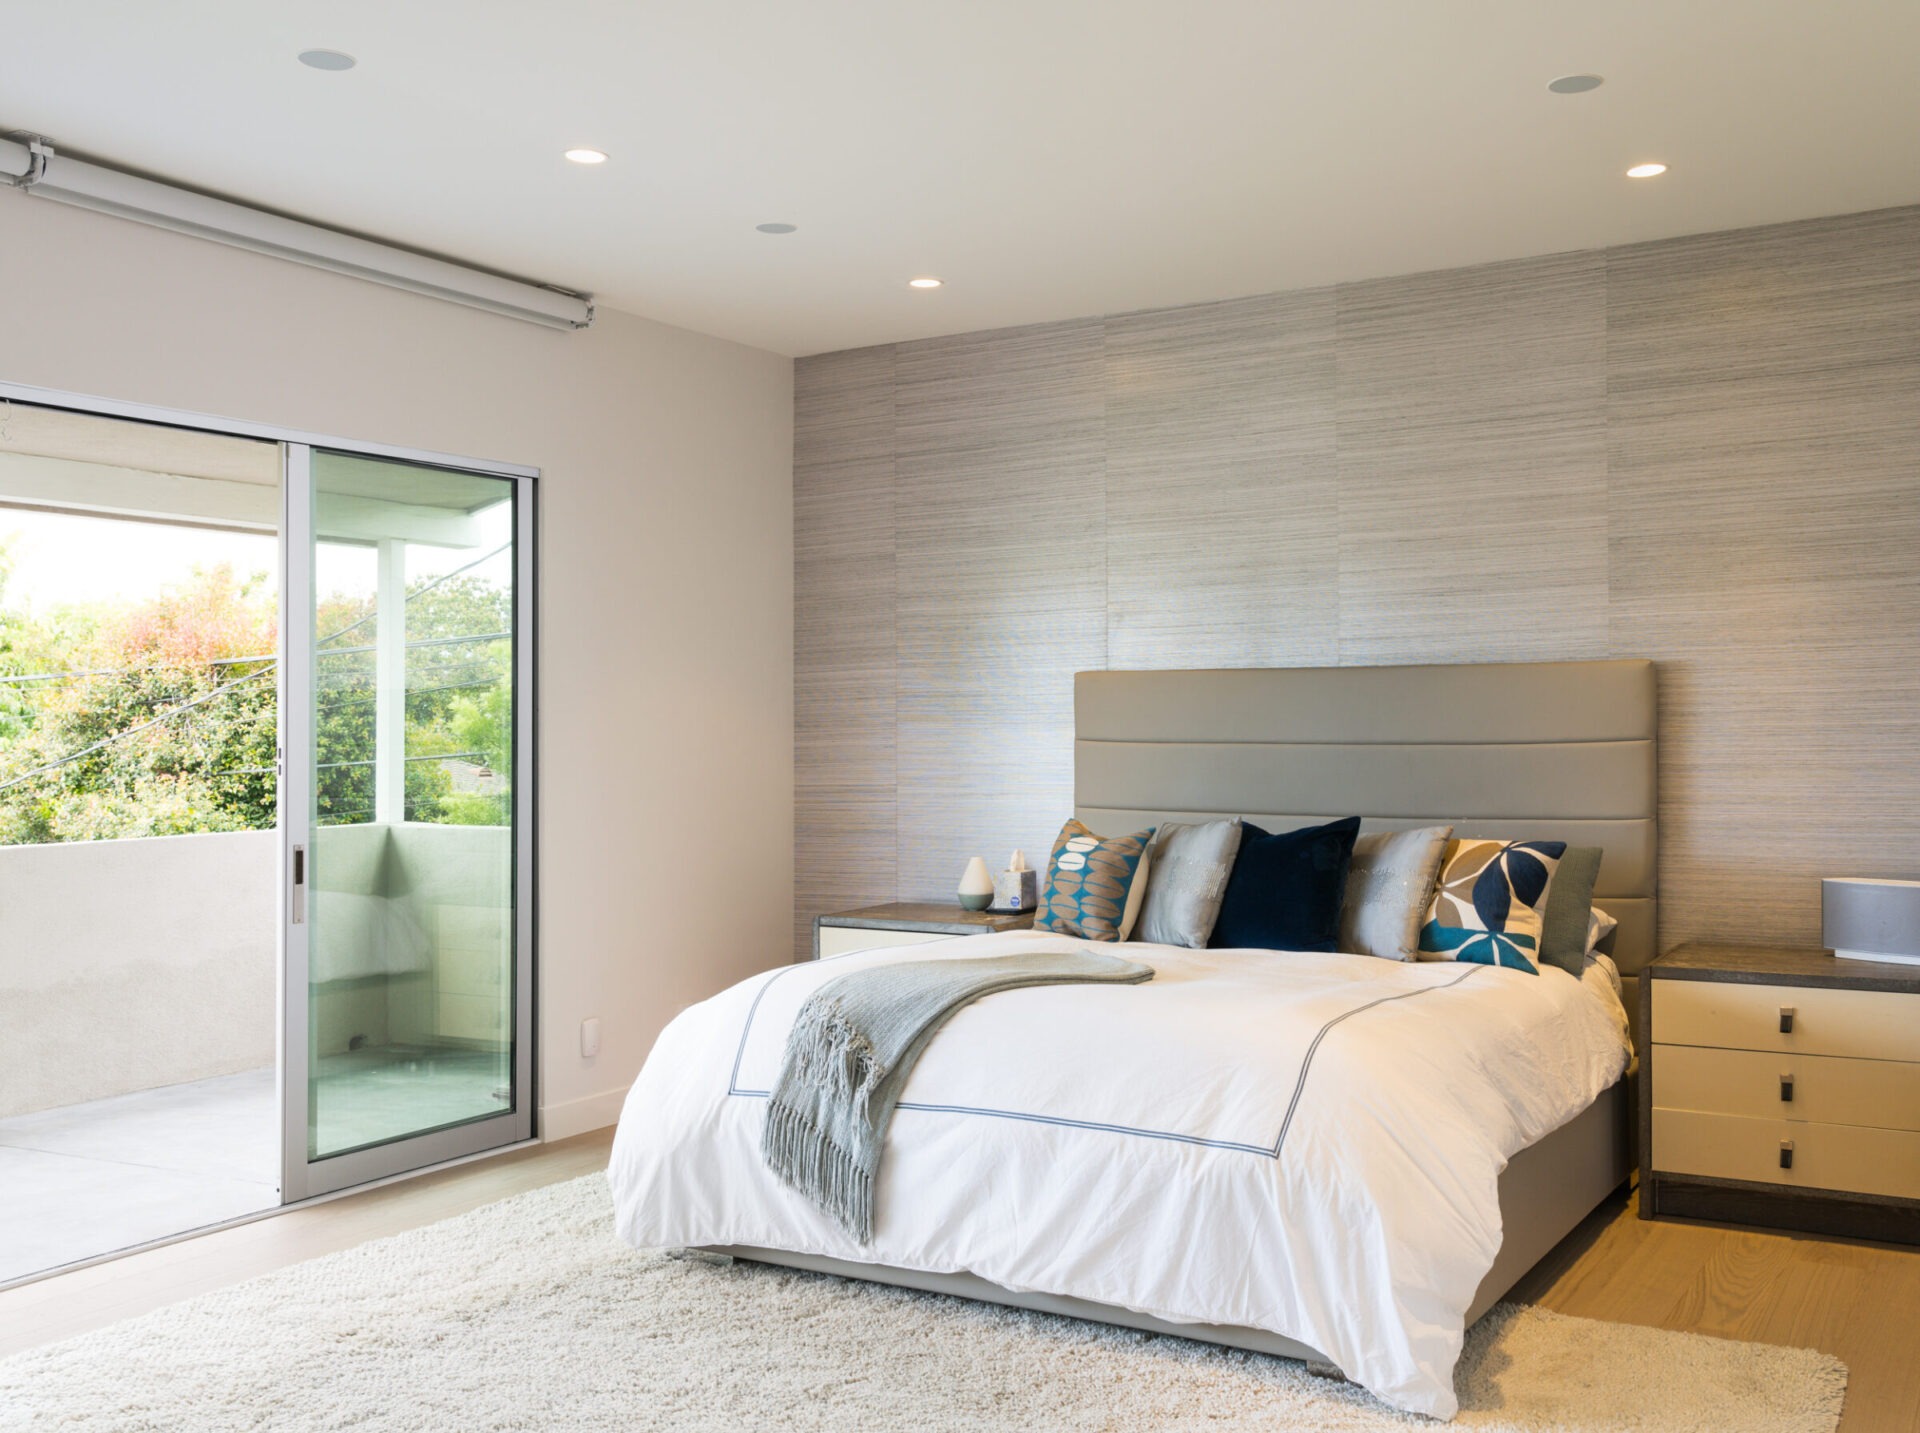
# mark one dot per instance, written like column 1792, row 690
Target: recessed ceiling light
column 327, row 60
column 586, row 156
column 1646, row 171
column 923, row 283
column 776, row 228
column 1575, row 84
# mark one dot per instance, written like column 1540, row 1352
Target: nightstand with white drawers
column 906, row 923
column 1781, row 1087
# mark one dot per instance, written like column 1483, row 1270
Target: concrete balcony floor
column 89, row 1179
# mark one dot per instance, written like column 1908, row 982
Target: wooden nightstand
column 906, row 923
column 1781, row 1087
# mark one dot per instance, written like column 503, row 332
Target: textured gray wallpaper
column 1705, row 451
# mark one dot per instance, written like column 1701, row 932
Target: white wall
column 666, row 618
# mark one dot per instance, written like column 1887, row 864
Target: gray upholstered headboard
column 1559, row 751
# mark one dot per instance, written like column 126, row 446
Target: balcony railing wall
column 125, row 965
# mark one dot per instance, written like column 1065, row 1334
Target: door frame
column 299, row 1179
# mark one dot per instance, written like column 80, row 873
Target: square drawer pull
column 1786, row 1089
column 1786, row 1019
column 1786, row 1154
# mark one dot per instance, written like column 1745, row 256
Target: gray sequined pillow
column 1186, row 882
column 1389, row 887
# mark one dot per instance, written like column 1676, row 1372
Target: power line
column 431, row 756
column 65, row 676
column 467, row 756
column 273, row 664
column 454, row 641
column 89, row 673
column 422, row 642
column 354, row 699
column 445, row 577
column 133, row 730
column 439, row 581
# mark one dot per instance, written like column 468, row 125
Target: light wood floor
column 1859, row 1302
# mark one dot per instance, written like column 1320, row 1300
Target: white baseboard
column 573, row 1117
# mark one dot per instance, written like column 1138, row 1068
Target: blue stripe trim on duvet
column 1271, row 1151
column 733, row 1080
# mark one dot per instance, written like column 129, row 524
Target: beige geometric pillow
column 1094, row 884
column 1491, row 902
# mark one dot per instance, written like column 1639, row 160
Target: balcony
column 138, row 1020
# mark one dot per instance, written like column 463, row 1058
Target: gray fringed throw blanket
column 852, row 1047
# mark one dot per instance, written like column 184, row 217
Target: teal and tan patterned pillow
column 1491, row 902
column 1094, row 884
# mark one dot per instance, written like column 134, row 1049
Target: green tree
column 459, row 681
column 27, row 648
column 483, row 722
column 165, row 721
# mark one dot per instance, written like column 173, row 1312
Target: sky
column 60, row 559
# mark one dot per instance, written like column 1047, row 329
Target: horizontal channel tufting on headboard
column 1559, row 751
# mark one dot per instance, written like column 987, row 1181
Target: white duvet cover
column 1309, row 1144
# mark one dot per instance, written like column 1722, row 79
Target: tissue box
column 1016, row 891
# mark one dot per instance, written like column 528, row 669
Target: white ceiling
column 1047, row 159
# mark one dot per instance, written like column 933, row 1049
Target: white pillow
column 1600, row 925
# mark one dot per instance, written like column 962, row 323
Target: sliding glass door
column 407, row 853
column 139, row 592
column 266, row 801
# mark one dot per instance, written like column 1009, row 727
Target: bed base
column 1547, row 1190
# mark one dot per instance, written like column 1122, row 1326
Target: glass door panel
column 139, row 590
column 406, row 893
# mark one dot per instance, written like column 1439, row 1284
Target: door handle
column 297, row 906
column 1786, row 1089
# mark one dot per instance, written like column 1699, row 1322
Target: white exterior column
column 390, row 686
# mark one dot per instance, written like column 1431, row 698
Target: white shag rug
column 530, row 1314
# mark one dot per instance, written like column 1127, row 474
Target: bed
column 1327, row 1157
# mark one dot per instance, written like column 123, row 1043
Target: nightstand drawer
column 1840, row 1157
column 1825, row 1089
column 843, row 940
column 1864, row 1024
column 907, row 923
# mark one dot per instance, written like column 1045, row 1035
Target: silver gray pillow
column 1186, row 881
column 1389, row 886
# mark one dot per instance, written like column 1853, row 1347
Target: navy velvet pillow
column 1285, row 890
